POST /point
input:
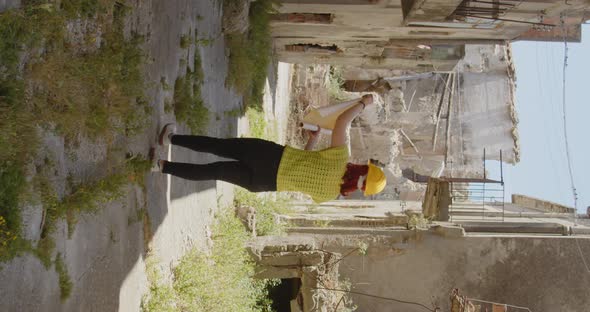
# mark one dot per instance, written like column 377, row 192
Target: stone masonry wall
column 539, row 204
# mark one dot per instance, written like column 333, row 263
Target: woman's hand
column 367, row 99
column 313, row 133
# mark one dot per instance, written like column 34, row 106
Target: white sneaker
column 155, row 160
column 167, row 131
column 156, row 166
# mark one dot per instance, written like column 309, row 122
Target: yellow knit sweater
column 315, row 173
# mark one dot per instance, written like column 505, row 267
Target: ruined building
column 441, row 123
column 525, row 253
column 417, row 35
column 445, row 77
column 443, row 69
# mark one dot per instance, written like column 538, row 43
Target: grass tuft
column 250, row 53
column 94, row 95
column 185, row 41
column 161, row 296
column 267, row 206
column 259, row 127
column 188, row 105
column 335, row 84
column 82, row 8
column 257, row 123
column 219, row 282
column 65, row 284
column 84, row 197
column 12, row 183
column 48, row 81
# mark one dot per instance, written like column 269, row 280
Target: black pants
column 254, row 168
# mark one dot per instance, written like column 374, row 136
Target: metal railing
column 494, row 11
column 477, row 198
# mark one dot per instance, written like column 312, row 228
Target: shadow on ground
column 105, row 254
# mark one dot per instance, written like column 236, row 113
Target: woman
column 261, row 165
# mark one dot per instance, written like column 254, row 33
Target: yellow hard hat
column 376, row 181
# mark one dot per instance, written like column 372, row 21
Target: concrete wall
column 383, row 20
column 482, row 116
column 393, row 34
column 539, row 204
column 487, row 120
column 544, row 274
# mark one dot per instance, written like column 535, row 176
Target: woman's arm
column 345, row 119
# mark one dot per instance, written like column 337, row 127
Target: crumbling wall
column 488, row 114
column 401, row 131
column 540, row 205
column 511, row 270
column 299, row 257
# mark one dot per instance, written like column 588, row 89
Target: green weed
column 71, row 220
column 168, row 106
column 10, row 242
column 222, row 281
column 44, row 251
column 17, row 139
column 91, row 94
column 418, row 221
column 12, row 184
column 335, row 85
column 314, row 209
column 85, row 8
column 65, row 284
column 259, row 127
column 136, row 167
column 79, row 93
column 164, row 83
column 322, row 223
column 204, row 41
column 267, row 206
column 236, row 112
column 250, row 53
column 95, row 93
column 161, row 296
column 84, row 197
column 188, row 105
column 257, row 122
column 51, row 206
column 185, row 41
column 12, row 188
column 139, row 216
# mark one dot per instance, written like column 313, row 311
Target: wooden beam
column 449, row 118
column 438, row 115
column 411, row 143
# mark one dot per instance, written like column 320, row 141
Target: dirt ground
column 105, row 255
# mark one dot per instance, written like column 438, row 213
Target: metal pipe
column 494, row 3
column 484, row 184
column 484, row 165
column 510, row 20
column 483, row 10
column 503, row 188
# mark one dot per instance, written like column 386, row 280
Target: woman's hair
column 351, row 177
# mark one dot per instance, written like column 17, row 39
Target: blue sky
column 542, row 171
